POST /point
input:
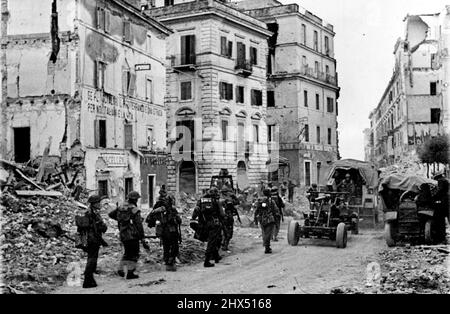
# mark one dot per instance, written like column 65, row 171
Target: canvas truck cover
column 367, row 171
column 404, row 183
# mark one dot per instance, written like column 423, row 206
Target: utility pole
column 4, row 92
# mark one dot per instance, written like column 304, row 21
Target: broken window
column 127, row 31
column 188, row 49
column 435, row 115
column 433, row 88
column 253, row 55
column 22, row 145
column 256, row 97
column 128, row 135
column 103, row 188
column 240, row 94
column 226, row 91
column 186, row 90
column 317, row 102
column 100, row 133
column 305, row 98
column 270, row 99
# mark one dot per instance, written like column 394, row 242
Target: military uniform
column 228, row 203
column 96, row 227
column 441, row 199
column 280, row 205
column 131, row 231
column 168, row 228
column 349, row 187
column 210, row 216
column 265, row 214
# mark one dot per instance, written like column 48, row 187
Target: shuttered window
column 253, row 55
column 240, row 94
column 100, row 133
column 128, row 134
column 127, row 31
column 188, row 49
column 186, row 90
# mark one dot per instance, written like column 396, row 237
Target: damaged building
column 302, row 91
column 86, row 78
column 216, row 93
column 414, row 105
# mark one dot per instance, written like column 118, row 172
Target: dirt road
column 314, row 266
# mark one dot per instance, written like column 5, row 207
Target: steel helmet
column 134, row 195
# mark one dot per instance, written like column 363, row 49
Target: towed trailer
column 329, row 217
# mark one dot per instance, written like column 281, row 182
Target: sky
column 366, row 32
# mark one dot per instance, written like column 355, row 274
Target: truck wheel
column 389, row 234
column 341, row 236
column 293, row 233
column 428, row 232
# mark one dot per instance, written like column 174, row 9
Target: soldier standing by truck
column 131, row 230
column 265, row 214
column 228, row 202
column 210, row 216
column 280, row 205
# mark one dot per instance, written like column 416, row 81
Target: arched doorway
column 187, row 177
column 242, row 178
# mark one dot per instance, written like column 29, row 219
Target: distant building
column 302, row 90
column 414, row 105
column 90, row 75
column 216, row 93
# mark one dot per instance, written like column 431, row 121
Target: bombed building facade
column 216, row 93
column 302, row 91
column 414, row 105
column 85, row 78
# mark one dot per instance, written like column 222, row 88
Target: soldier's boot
column 89, row 282
column 120, row 271
column 207, row 262
column 217, row 258
column 132, row 275
column 268, row 250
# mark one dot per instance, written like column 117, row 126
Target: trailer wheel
column 341, row 236
column 388, row 234
column 428, row 232
column 293, row 233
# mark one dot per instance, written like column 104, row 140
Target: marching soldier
column 265, row 214
column 94, row 230
column 210, row 215
column 131, row 230
column 166, row 220
column 280, row 205
column 228, row 203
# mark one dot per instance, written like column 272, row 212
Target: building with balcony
column 302, row 90
column 216, row 93
column 88, row 78
column 412, row 107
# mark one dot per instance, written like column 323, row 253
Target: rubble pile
column 409, row 269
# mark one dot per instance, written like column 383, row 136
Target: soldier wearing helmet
column 280, row 205
column 228, row 202
column 210, row 216
column 131, row 231
column 94, row 230
column 265, row 214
